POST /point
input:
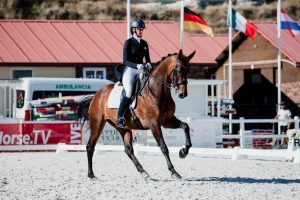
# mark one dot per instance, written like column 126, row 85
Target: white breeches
column 128, row 79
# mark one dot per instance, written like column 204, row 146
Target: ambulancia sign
column 73, row 86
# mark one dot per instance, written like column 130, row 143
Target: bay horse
column 155, row 108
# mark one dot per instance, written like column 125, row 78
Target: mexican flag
column 240, row 23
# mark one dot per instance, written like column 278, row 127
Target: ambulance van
column 46, row 97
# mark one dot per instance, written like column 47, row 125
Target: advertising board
column 40, row 133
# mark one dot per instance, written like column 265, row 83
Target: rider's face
column 139, row 32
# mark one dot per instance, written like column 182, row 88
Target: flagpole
column 230, row 51
column 279, row 52
column 230, row 59
column 128, row 19
column 181, row 24
column 278, row 60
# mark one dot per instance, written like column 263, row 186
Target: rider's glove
column 148, row 67
column 140, row 67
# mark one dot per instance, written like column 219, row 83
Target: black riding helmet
column 138, row 23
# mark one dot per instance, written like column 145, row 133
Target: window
column 98, row 73
column 252, row 76
column 18, row 73
column 20, row 98
column 256, row 78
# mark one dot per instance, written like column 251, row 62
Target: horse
column 155, row 108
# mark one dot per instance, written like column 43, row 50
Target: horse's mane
column 155, row 66
column 163, row 58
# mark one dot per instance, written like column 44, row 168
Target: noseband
column 175, row 84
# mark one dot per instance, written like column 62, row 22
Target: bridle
column 175, row 84
column 171, row 83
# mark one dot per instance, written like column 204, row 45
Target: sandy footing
column 52, row 176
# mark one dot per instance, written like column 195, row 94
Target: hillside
column 215, row 16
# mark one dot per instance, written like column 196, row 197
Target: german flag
column 193, row 22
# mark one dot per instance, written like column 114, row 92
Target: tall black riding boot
column 122, row 108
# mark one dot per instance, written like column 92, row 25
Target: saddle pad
column 114, row 98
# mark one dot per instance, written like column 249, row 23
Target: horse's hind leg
column 157, row 133
column 176, row 123
column 96, row 127
column 127, row 139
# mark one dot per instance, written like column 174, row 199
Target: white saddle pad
column 114, row 98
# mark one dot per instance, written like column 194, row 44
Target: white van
column 29, row 90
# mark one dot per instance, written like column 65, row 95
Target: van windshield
column 20, row 98
column 50, row 94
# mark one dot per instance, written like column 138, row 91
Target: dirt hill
column 215, row 16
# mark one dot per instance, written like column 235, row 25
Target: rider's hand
column 140, row 67
column 148, row 67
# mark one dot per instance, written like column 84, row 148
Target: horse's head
column 178, row 76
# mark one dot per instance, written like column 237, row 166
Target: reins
column 150, row 75
column 172, row 85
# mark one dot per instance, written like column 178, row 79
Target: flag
column 289, row 24
column 194, row 22
column 240, row 23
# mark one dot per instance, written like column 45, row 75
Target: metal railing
column 242, row 136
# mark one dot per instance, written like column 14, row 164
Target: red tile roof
column 290, row 46
column 93, row 42
column 210, row 47
column 43, row 42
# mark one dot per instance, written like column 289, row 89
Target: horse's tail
column 83, row 108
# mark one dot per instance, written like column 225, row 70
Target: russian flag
column 289, row 24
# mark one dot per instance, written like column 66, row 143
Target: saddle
column 118, row 91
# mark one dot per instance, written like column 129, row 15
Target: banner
column 40, row 133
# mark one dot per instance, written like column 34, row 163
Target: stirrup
column 121, row 122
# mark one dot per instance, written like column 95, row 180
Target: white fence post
column 60, row 148
column 297, row 156
column 235, row 154
column 296, row 123
column 242, row 132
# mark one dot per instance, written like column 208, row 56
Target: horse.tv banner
column 40, row 133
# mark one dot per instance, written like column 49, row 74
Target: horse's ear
column 180, row 54
column 191, row 55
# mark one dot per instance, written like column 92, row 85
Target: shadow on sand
column 247, row 180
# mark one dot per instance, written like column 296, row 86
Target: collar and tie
column 137, row 38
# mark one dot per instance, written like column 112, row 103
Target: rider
column 134, row 51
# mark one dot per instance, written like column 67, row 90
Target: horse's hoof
column 176, row 175
column 91, row 176
column 182, row 154
column 145, row 175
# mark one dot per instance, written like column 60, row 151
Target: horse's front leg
column 157, row 133
column 176, row 123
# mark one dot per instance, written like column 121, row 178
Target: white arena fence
column 144, row 139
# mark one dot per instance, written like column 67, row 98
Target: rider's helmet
column 138, row 23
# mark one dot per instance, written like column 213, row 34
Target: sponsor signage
column 73, row 87
column 40, row 133
column 297, row 142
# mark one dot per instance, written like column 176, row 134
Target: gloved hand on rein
column 140, row 67
column 148, row 67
